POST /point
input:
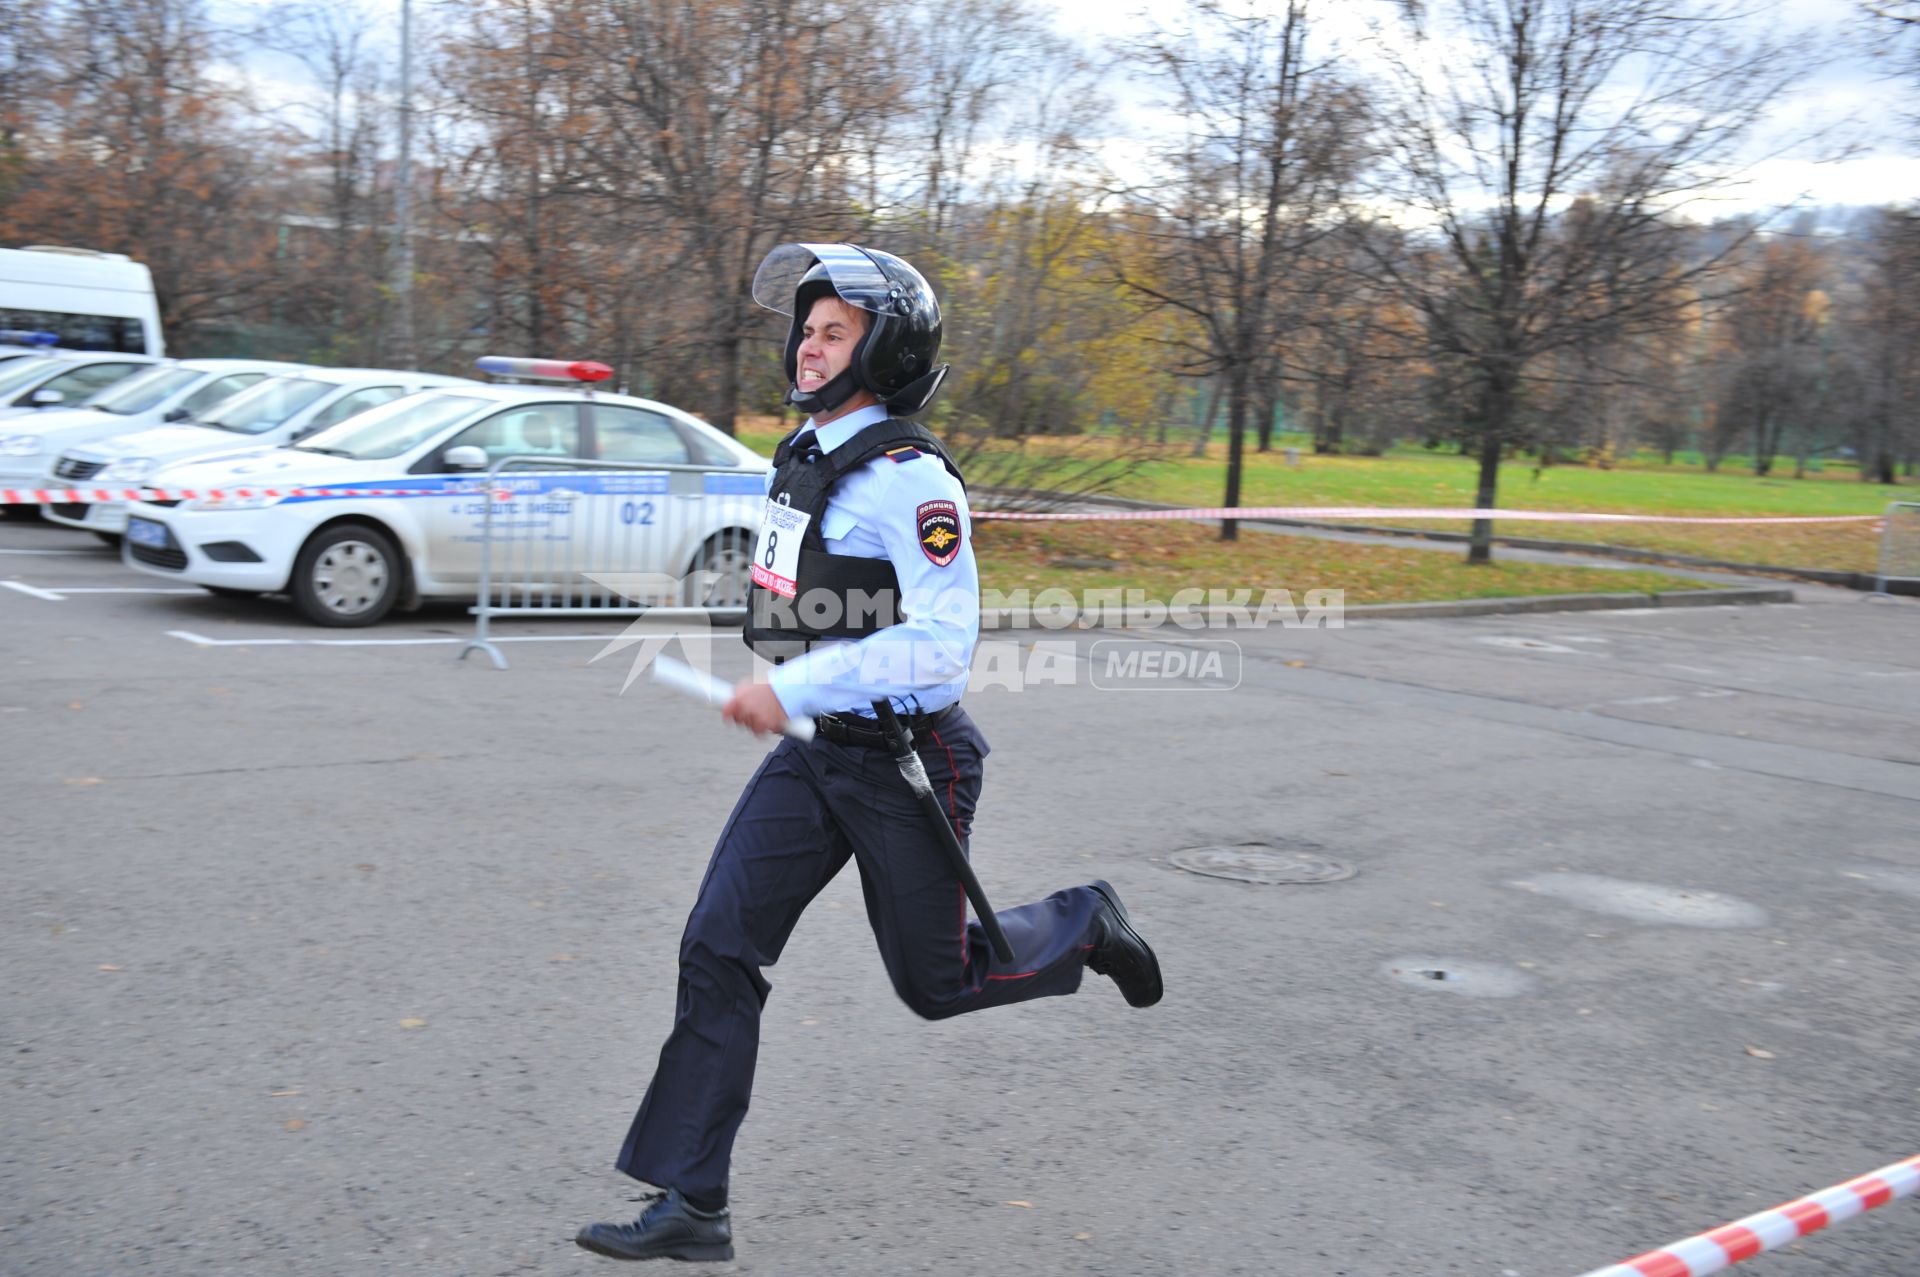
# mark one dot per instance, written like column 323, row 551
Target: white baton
column 683, row 678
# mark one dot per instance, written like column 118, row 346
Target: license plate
column 146, row 532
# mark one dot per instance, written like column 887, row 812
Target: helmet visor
column 855, row 276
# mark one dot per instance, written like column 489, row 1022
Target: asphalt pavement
column 327, row 953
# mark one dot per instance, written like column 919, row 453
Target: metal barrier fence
column 562, row 537
column 1899, row 547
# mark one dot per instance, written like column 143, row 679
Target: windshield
column 16, row 373
column 144, row 390
column 260, row 408
column 392, row 428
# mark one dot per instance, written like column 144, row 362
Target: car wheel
column 725, row 572
column 109, row 538
column 347, row 575
column 228, row 592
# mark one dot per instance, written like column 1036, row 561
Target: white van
column 88, row 300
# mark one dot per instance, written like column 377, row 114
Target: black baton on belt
column 915, row 773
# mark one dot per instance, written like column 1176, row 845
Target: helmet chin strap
column 827, row 398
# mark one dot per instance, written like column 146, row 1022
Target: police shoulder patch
column 938, row 525
column 905, row 452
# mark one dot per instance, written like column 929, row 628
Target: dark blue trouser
column 806, row 810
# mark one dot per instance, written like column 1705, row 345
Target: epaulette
column 905, row 452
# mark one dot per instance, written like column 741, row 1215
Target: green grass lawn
column 1163, row 558
column 1414, row 477
column 1418, row 478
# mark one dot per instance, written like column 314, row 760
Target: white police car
column 165, row 392
column 262, row 415
column 348, row 560
column 62, row 377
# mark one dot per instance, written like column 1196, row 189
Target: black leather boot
column 668, row 1229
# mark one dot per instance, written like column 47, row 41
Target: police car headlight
column 21, row 445
column 127, row 468
column 232, row 503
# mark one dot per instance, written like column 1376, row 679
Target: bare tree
column 1547, row 144
column 1881, row 350
column 729, row 128
column 146, row 149
column 341, row 293
column 1271, row 138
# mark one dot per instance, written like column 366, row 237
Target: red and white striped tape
column 1770, row 1229
column 94, row 496
column 1398, row 512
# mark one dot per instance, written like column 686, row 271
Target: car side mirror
column 47, row 398
column 465, row 457
column 177, row 414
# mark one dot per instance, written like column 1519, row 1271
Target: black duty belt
column 856, row 729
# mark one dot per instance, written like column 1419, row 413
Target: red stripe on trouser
column 953, row 809
column 953, row 773
column 1739, row 1243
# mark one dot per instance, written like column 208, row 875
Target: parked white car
column 60, row 379
column 349, row 559
column 273, row 411
column 161, row 393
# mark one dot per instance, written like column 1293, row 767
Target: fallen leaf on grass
column 411, row 1023
column 295, row 1125
column 1022, row 1205
column 1758, row 1054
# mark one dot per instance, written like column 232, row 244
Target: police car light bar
column 19, row 337
column 543, row 369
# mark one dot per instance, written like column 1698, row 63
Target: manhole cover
column 1261, row 863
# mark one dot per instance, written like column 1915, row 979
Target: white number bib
column 776, row 559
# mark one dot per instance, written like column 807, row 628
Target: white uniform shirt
column 876, row 512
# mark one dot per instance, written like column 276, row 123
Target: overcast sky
column 1847, row 91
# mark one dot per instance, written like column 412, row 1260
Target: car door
column 533, row 526
column 649, row 517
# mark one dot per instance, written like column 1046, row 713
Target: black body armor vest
column 836, row 596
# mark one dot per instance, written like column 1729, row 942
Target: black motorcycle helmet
column 894, row 358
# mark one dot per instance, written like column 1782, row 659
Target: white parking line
column 59, row 593
column 201, row 640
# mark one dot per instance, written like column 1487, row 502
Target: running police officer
column 864, row 590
